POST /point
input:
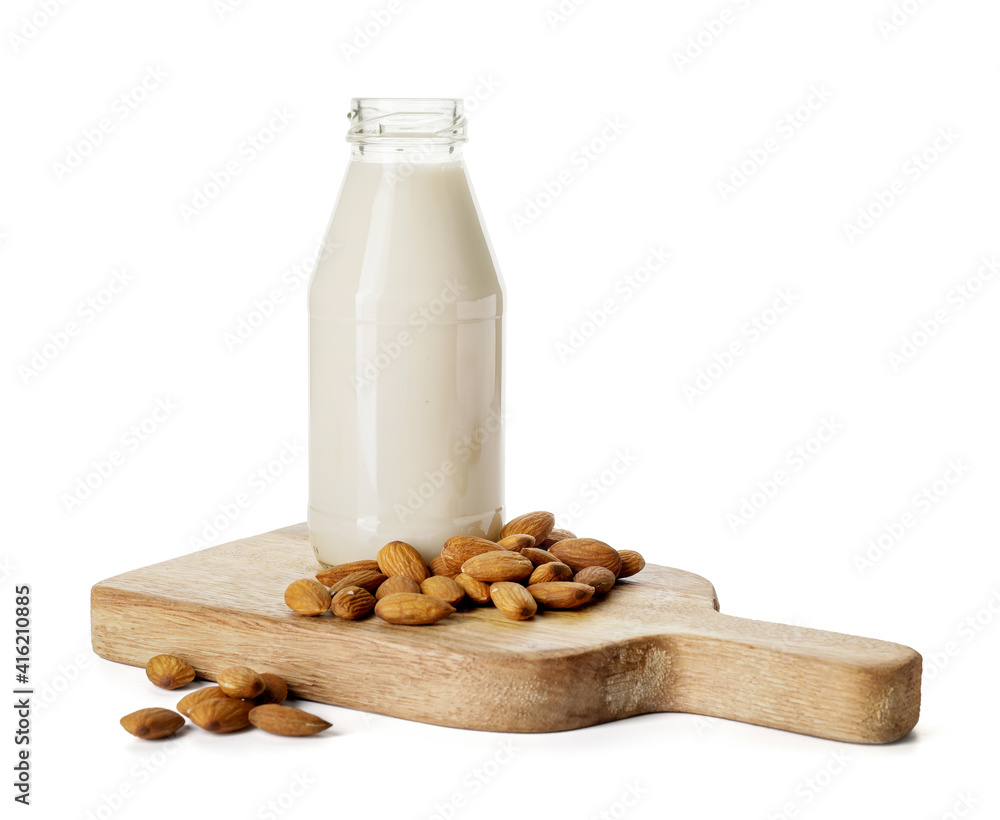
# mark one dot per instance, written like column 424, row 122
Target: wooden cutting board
column 655, row 643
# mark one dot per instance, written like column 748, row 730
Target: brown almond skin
column 412, row 609
column 499, row 565
column 587, row 552
column 328, row 577
column 169, row 671
column 555, row 536
column 538, row 556
column 366, row 579
column 600, row 578
column 275, row 689
column 188, row 702
column 400, row 558
column 517, row 542
column 444, row 588
column 561, row 594
column 438, row 566
column 553, row 571
column 307, row 597
column 460, row 548
column 397, row 583
column 536, row 524
column 513, row 600
column 476, row 591
column 152, row 724
column 240, row 682
column 222, row 715
column 632, row 562
column 352, row 603
column 286, row 720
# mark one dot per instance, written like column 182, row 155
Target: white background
column 546, row 87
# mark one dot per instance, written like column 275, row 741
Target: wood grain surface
column 655, row 643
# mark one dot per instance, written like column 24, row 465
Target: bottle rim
column 405, row 120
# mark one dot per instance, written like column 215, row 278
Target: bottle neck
column 419, row 153
column 411, row 131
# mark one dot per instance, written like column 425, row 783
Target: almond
column 150, row 724
column 600, row 578
column 632, row 563
column 188, row 702
column 444, row 588
column 399, row 558
column 513, row 600
column 538, row 556
column 536, row 524
column 352, row 603
column 286, row 720
column 516, row 542
column 477, row 591
column 499, row 565
column 240, row 682
column 330, row 576
column 561, row 594
column 552, row 571
column 555, row 536
column 397, row 583
column 587, row 552
column 221, row 714
column 460, row 548
column 438, row 566
column 307, row 597
column 412, row 608
column 275, row 689
column 366, row 579
column 169, row 671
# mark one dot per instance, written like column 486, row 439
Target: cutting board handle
column 788, row 677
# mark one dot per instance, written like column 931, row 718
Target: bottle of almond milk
column 406, row 344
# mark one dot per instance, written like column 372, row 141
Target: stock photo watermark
column 264, row 308
column 34, row 23
column 624, row 288
column 966, row 631
column 708, row 34
column 955, row 301
column 921, row 503
column 362, row 35
column 886, row 197
column 223, row 8
column 87, row 310
column 247, row 151
column 581, row 159
column 810, row 788
column 393, row 349
column 898, row 16
column 591, row 491
column 103, row 469
column 464, row 450
column 750, row 332
column 122, row 107
column 281, row 804
column 258, row 481
column 110, row 802
column 481, row 775
column 560, row 12
column 964, row 804
column 797, row 459
column 785, row 128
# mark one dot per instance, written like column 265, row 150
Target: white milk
column 406, row 345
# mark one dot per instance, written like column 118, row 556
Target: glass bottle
column 406, row 344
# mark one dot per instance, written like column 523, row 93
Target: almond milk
column 406, row 344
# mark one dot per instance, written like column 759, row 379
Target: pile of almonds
column 532, row 563
column 242, row 698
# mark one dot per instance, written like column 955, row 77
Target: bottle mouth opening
column 437, row 121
